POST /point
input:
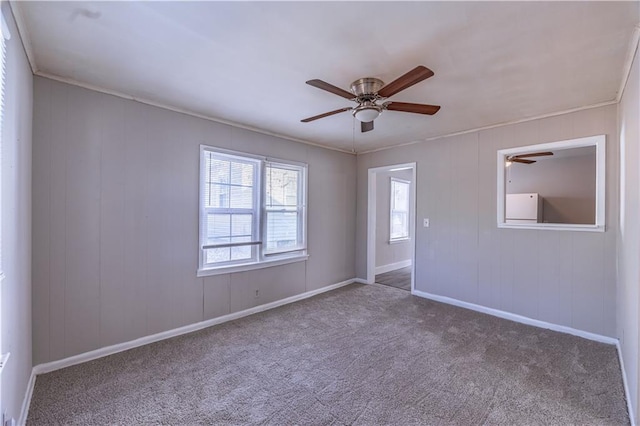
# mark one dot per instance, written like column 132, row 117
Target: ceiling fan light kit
column 367, row 112
column 368, row 91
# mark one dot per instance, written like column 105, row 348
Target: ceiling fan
column 523, row 158
column 368, row 91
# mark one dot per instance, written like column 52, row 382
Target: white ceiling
column 247, row 62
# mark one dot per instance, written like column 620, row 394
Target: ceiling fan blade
column 414, row 76
column 533, row 154
column 415, row 108
column 521, row 160
column 366, row 127
column 330, row 88
column 326, row 114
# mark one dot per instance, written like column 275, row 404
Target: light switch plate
column 425, row 222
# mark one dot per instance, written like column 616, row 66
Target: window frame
column 599, row 141
column 406, row 237
column 301, row 208
column 262, row 258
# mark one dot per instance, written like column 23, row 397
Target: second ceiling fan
column 368, row 91
column 524, row 158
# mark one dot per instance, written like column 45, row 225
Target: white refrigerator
column 523, row 208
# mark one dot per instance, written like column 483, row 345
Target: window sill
column 399, row 240
column 554, row 227
column 251, row 266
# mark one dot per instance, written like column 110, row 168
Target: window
column 399, row 218
column 252, row 210
column 556, row 186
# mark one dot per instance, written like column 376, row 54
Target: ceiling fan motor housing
column 367, row 86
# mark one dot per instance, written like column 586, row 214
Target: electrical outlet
column 425, row 222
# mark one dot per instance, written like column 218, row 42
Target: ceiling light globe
column 366, row 114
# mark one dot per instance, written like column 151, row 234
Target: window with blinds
column 252, row 210
column 399, row 217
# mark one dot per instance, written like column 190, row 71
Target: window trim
column 406, row 237
column 262, row 259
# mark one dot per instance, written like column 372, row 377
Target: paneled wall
column 629, row 236
column 563, row 277
column 16, row 223
column 115, row 221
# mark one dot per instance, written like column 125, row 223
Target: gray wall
column 567, row 185
column 386, row 253
column 16, row 223
column 115, row 221
column 563, row 277
column 629, row 236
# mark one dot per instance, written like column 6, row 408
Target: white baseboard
column 625, row 383
column 26, row 402
column 392, row 266
column 113, row 349
column 517, row 318
column 360, row 281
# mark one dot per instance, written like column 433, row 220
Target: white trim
column 110, row 350
column 360, row 281
column 599, row 141
column 625, row 383
column 493, row 126
column 628, row 63
column 26, row 402
column 393, row 266
column 517, row 318
column 251, row 266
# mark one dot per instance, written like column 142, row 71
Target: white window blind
column 399, row 217
column 231, row 207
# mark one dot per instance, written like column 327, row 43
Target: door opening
column 391, row 226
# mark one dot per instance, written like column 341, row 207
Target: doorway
column 391, row 226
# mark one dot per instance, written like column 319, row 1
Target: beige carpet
column 360, row 355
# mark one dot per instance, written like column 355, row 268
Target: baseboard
column 392, row 266
column 120, row 347
column 26, row 402
column 517, row 318
column 360, row 281
column 625, row 383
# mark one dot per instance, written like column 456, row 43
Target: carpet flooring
column 359, row 355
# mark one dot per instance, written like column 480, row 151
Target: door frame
column 371, row 219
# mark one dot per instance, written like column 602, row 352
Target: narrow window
column 399, row 217
column 284, row 208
